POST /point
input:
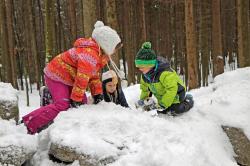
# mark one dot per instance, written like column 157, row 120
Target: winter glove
column 189, row 100
column 140, row 103
column 75, row 104
column 98, row 98
column 147, row 104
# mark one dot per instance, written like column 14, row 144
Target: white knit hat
column 110, row 74
column 106, row 37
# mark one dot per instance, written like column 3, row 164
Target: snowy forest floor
column 192, row 139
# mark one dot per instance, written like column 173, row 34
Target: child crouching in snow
column 162, row 81
column 69, row 74
column 111, row 91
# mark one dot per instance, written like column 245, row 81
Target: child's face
column 144, row 70
column 110, row 87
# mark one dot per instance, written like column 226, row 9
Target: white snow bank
column 135, row 138
column 7, row 92
column 227, row 100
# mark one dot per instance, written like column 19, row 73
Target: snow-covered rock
column 63, row 153
column 240, row 143
column 14, row 155
column 68, row 154
column 16, row 146
column 8, row 102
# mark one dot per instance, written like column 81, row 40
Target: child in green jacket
column 159, row 79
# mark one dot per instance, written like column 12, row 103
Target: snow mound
column 7, row 92
column 11, row 134
column 135, row 138
column 226, row 101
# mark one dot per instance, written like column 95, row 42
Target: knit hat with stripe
column 145, row 57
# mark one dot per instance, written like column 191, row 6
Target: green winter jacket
column 164, row 83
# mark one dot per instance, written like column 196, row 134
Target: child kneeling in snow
column 159, row 79
column 69, row 74
column 111, row 91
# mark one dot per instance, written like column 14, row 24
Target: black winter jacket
column 117, row 97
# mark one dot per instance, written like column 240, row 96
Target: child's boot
column 189, row 102
column 45, row 96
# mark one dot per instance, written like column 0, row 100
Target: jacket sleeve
column 83, row 75
column 122, row 99
column 169, row 81
column 144, row 89
column 95, row 85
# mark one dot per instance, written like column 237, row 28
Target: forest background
column 200, row 38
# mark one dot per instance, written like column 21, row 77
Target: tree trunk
column 243, row 33
column 60, row 45
column 4, row 45
column 32, row 41
column 191, row 45
column 79, row 16
column 10, row 40
column 205, row 18
column 112, row 21
column 168, row 30
column 72, row 19
column 218, row 62
column 49, row 30
column 141, row 22
column 127, row 40
column 41, row 39
column 229, row 28
column 89, row 14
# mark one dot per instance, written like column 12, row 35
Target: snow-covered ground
column 135, row 138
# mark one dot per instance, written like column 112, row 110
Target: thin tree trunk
column 229, row 27
column 168, row 30
column 191, row 45
column 49, row 30
column 41, row 39
column 18, row 13
column 218, row 62
column 4, row 44
column 243, row 33
column 79, row 16
column 59, row 25
column 141, row 22
column 204, row 39
column 26, row 83
column 10, row 31
column 72, row 19
column 33, row 45
column 127, row 40
column 112, row 21
column 89, row 14
column 133, row 37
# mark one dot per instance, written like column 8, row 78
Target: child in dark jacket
column 111, row 91
column 68, row 75
column 159, row 79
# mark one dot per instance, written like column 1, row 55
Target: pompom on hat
column 109, row 76
column 145, row 57
column 106, row 37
